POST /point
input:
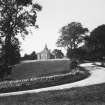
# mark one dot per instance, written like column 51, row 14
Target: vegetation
column 32, row 69
column 13, row 52
column 96, row 43
column 71, row 36
column 57, row 53
column 73, row 65
column 31, row 56
column 78, row 53
column 15, row 18
column 5, row 70
column 89, row 95
column 33, row 83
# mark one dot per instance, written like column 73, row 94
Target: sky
column 57, row 13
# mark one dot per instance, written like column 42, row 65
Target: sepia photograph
column 52, row 52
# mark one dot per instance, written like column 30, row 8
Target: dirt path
column 97, row 77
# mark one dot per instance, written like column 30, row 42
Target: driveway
column 97, row 77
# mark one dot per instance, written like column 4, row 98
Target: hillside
column 35, row 68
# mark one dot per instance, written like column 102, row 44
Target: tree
column 96, row 42
column 78, row 53
column 31, row 56
column 71, row 35
column 16, row 17
column 57, row 53
column 13, row 52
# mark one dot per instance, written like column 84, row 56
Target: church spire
column 46, row 47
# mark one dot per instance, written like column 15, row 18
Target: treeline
column 32, row 56
column 56, row 53
column 81, row 44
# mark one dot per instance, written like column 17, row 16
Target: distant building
column 45, row 54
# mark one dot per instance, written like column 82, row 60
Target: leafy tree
column 96, row 42
column 25, row 57
column 13, row 52
column 31, row 56
column 71, row 35
column 16, row 17
column 57, row 53
column 78, row 53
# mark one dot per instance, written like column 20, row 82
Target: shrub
column 78, row 53
column 4, row 71
column 73, row 64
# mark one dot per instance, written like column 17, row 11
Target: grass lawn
column 40, row 68
column 90, row 95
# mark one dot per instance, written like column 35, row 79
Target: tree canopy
column 15, row 17
column 71, row 35
column 32, row 56
column 57, row 53
column 96, row 42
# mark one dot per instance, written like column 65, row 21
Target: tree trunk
column 7, row 49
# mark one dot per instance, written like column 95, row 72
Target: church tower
column 45, row 54
column 46, row 48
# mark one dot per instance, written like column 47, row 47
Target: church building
column 45, row 54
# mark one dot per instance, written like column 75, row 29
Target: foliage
column 37, row 68
column 73, row 64
column 78, row 53
column 57, row 53
column 5, row 70
column 31, row 56
column 96, row 43
column 16, row 17
column 71, row 35
column 12, row 54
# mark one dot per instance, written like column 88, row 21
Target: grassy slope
column 91, row 95
column 40, row 68
column 43, row 82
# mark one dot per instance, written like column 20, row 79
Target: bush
column 73, row 64
column 4, row 71
column 78, row 53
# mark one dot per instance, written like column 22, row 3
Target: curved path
column 97, row 77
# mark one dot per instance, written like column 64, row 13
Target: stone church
column 45, row 54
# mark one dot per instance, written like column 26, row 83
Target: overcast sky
column 57, row 13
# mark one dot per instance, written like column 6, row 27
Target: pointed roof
column 46, row 48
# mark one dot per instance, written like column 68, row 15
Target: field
column 31, row 69
column 39, row 74
column 90, row 95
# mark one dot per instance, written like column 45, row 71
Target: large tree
column 96, row 42
column 71, row 35
column 15, row 17
column 13, row 52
